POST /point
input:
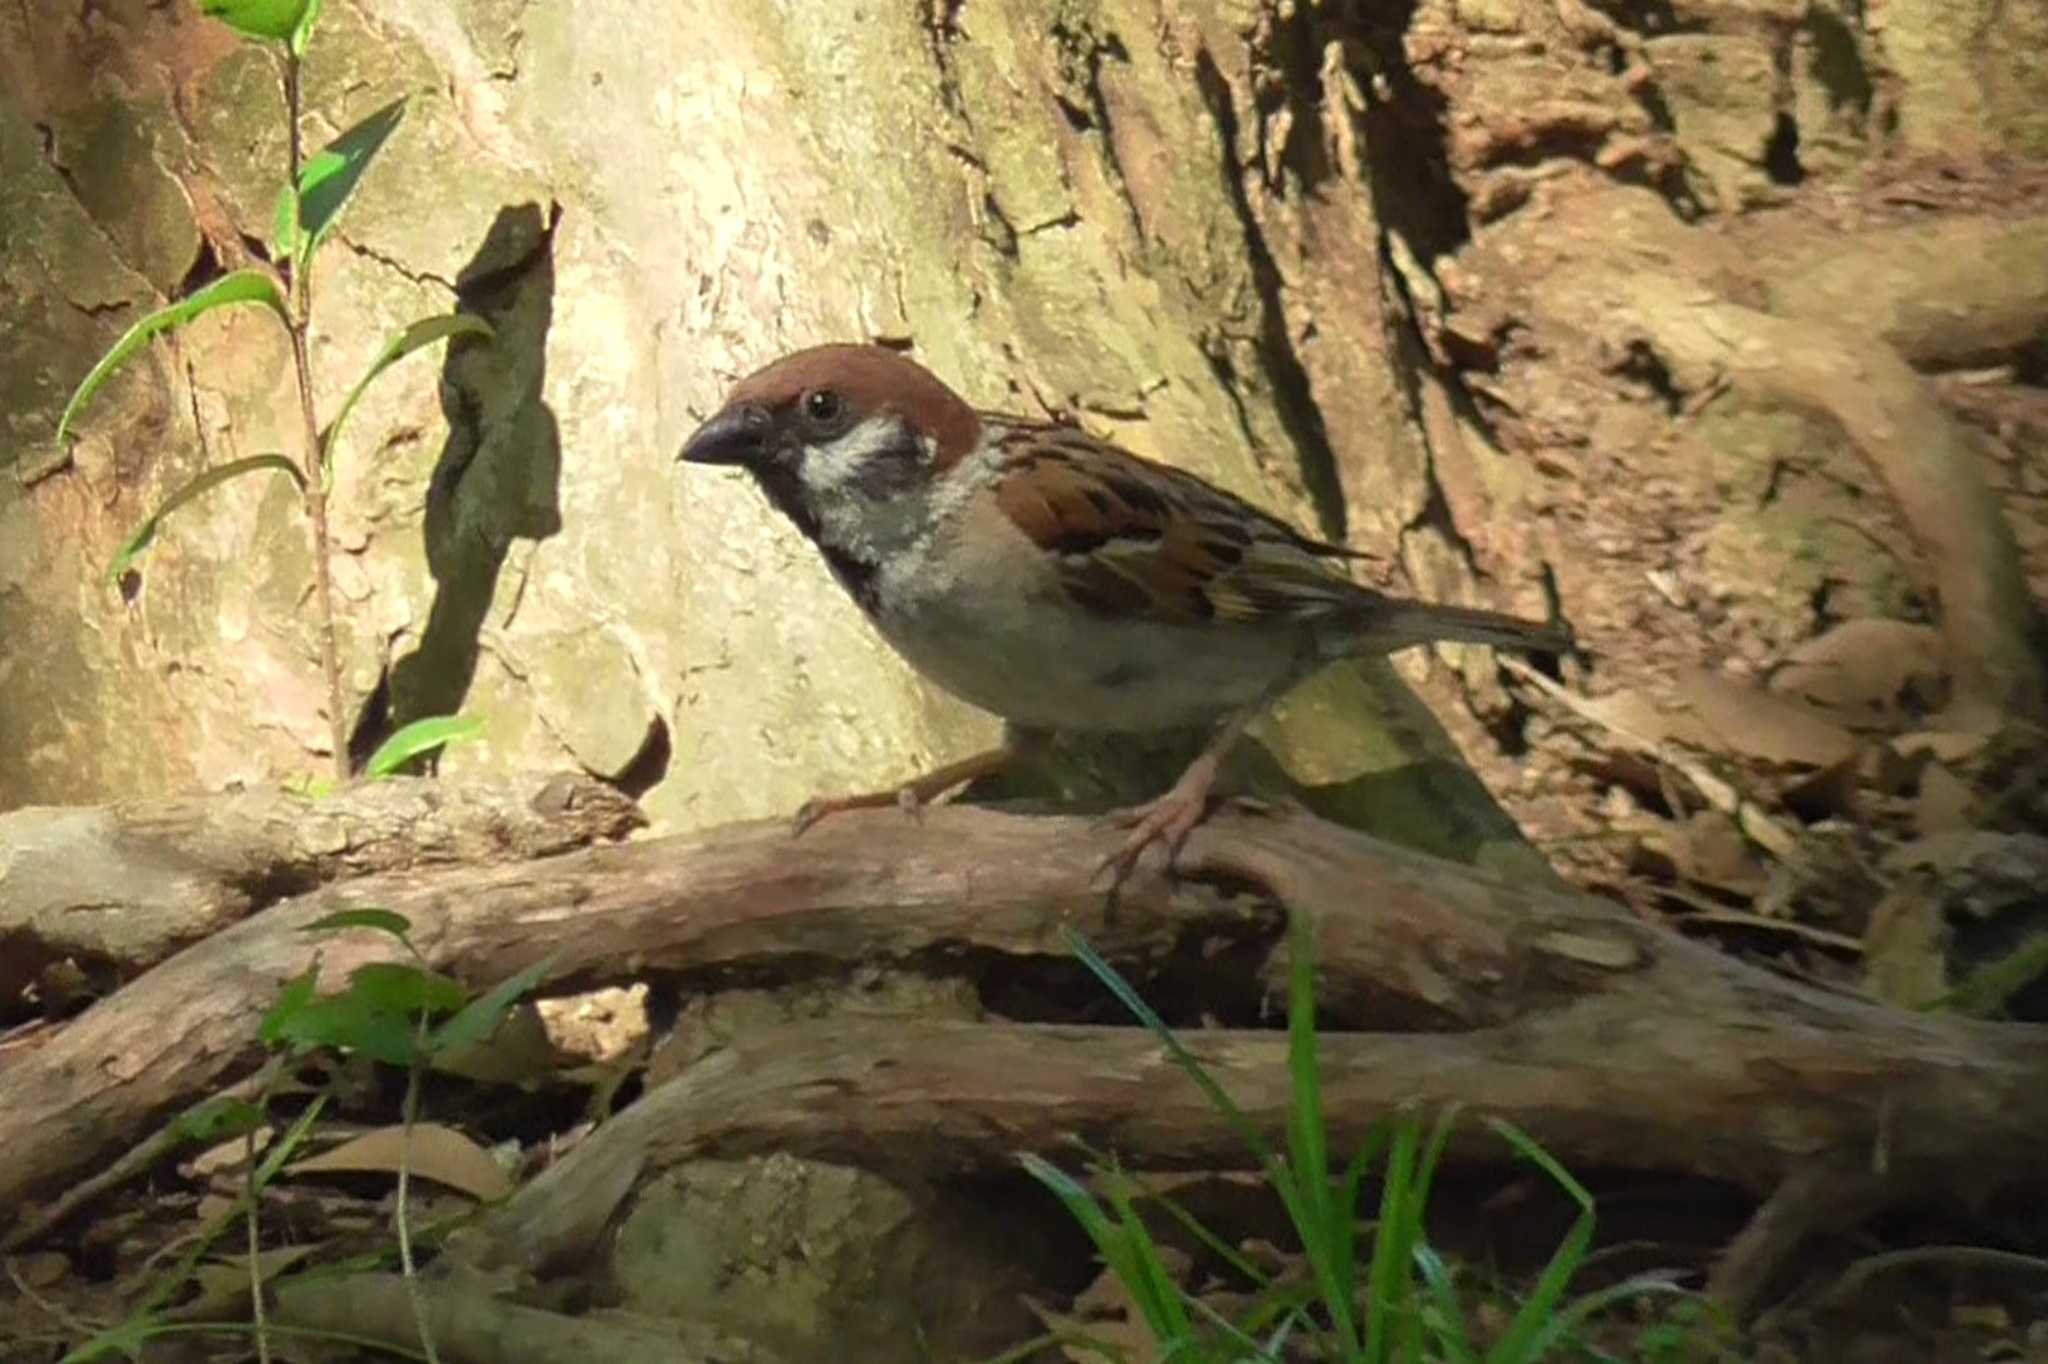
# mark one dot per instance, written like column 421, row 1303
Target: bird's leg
column 912, row 796
column 1170, row 818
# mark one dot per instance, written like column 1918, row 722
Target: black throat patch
column 780, row 482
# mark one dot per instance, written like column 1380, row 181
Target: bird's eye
column 823, row 409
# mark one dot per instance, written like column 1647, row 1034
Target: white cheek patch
column 828, row 471
column 869, row 501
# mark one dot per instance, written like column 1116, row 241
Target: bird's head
column 838, row 423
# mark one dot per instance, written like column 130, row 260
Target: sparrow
column 1057, row 580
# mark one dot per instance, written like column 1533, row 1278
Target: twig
column 298, row 325
column 1821, row 937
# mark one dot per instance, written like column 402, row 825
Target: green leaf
column 216, row 1118
column 480, row 1018
column 241, row 286
column 257, row 18
column 424, row 332
column 302, row 31
column 331, row 174
column 296, row 995
column 350, row 1023
column 405, row 991
column 421, row 736
column 125, row 1338
column 131, row 548
column 379, row 920
column 284, row 224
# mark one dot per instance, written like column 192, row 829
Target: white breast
column 976, row 610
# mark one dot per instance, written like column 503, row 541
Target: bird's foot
column 1167, row 820
column 911, row 797
column 816, row 808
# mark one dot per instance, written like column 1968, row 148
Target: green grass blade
column 240, row 286
column 1324, row 1226
column 287, row 1146
column 1526, row 1147
column 1182, row 1057
column 140, row 539
column 1151, row 1285
column 1283, row 1306
column 1216, row 1245
column 1248, row 1349
column 1393, row 1246
column 422, row 333
column 1520, row 1343
column 1444, row 1316
column 1432, row 1154
column 1361, row 1165
column 1114, row 1242
column 1575, row 1314
column 421, row 736
column 330, row 175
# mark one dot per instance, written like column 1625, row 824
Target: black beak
column 734, row 436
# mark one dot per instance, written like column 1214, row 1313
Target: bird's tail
column 1400, row 624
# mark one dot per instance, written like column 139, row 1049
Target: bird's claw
column 904, row 798
column 1168, row 820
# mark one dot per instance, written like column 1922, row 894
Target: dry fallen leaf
column 1757, row 725
column 439, row 1153
column 1710, row 850
column 1946, row 745
column 224, row 1284
column 1868, row 672
column 1943, row 803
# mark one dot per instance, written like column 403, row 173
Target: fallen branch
column 124, row 886
column 1613, row 1040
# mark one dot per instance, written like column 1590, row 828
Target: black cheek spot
column 887, row 473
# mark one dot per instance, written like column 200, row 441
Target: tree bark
column 1613, row 1041
column 121, row 887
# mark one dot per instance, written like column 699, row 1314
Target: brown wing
column 1144, row 540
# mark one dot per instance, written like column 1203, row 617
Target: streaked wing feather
column 1146, row 540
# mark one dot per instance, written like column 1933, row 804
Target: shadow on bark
column 498, row 477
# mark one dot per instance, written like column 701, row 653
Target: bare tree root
column 127, row 885
column 1954, row 290
column 1613, row 1041
column 1894, row 419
